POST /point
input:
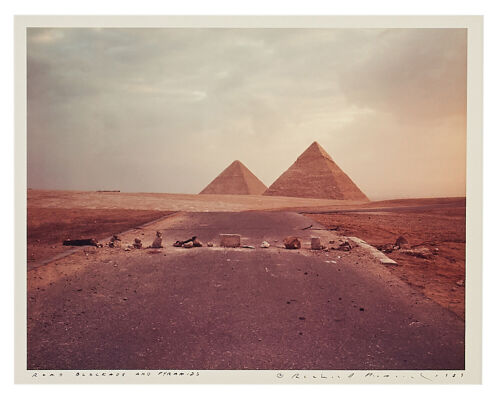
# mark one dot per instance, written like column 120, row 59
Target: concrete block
column 230, row 240
column 316, row 243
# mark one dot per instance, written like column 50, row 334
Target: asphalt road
column 215, row 308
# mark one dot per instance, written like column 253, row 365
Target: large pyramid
column 236, row 179
column 315, row 175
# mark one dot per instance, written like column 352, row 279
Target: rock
column 265, row 245
column 115, row 244
column 157, row 242
column 230, row 240
column 210, row 244
column 422, row 252
column 197, row 243
column 137, row 243
column 402, row 243
column 291, row 242
column 316, row 243
column 127, row 249
column 188, row 245
column 342, row 245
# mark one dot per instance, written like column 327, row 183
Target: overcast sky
column 166, row 110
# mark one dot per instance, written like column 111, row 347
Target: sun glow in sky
column 166, row 110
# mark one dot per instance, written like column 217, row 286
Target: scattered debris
column 157, row 242
column 115, row 242
column 127, row 249
column 247, row 247
column 291, row 242
column 80, row 242
column 265, row 245
column 342, row 245
column 180, row 243
column 421, row 252
column 196, row 242
column 188, row 245
column 230, row 240
column 381, row 257
column 401, row 243
column 210, row 244
column 137, row 243
column 316, row 243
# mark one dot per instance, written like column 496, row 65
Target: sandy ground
column 48, row 227
column 172, row 202
column 440, row 277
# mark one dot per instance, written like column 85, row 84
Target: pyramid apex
column 315, row 150
column 235, row 179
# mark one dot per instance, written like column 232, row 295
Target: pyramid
column 236, row 179
column 315, row 175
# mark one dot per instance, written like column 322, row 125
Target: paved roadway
column 215, row 308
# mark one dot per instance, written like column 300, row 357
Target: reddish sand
column 48, row 227
column 440, row 227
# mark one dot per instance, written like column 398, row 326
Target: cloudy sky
column 166, row 110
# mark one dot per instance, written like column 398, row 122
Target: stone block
column 230, row 240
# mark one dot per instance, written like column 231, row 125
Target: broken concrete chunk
column 197, row 243
column 265, row 245
column 188, row 245
column 316, row 243
column 291, row 242
column 157, row 242
column 230, row 240
column 422, row 252
column 137, row 243
column 402, row 243
column 387, row 261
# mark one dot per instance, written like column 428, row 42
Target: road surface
column 216, row 308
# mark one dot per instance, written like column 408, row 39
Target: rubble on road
column 316, row 243
column 248, row 247
column 115, row 242
column 342, row 245
column 157, row 242
column 265, row 245
column 197, row 242
column 137, row 243
column 230, row 240
column 421, row 252
column 181, row 243
column 210, row 244
column 401, row 243
column 188, row 245
column 292, row 242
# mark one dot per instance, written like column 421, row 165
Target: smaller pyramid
column 315, row 175
column 236, row 179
